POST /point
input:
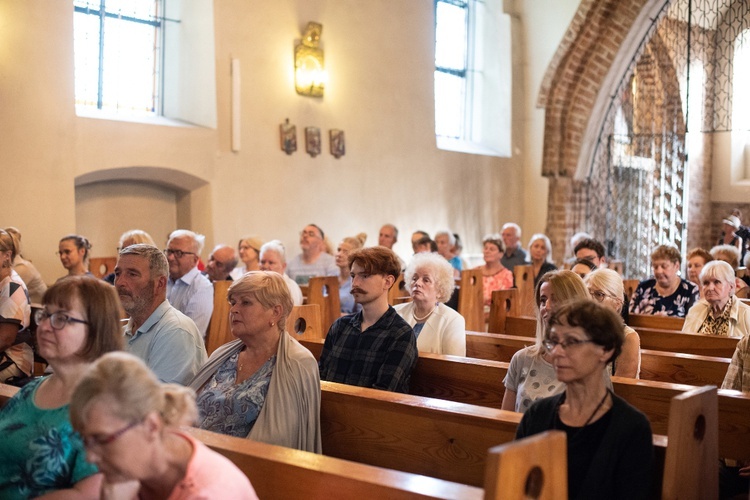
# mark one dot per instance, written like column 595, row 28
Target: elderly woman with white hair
column 540, row 256
column 273, row 258
column 719, row 312
column 606, row 287
column 438, row 328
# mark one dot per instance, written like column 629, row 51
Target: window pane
column 86, row 50
column 450, row 36
column 450, row 93
column 91, row 4
column 130, row 62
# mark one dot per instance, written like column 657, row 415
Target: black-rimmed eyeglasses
column 57, row 320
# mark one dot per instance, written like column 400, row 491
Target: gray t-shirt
column 531, row 378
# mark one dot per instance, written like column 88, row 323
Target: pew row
column 480, row 382
column 381, row 427
column 656, row 339
column 658, row 366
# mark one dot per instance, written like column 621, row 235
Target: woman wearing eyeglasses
column 530, row 374
column 609, row 443
column 606, row 287
column 129, row 424
column 40, row 452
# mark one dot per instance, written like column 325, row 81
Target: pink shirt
column 210, row 475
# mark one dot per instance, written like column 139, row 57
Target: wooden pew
column 278, row 472
column 454, row 379
column 304, row 322
column 691, row 468
column 524, row 280
column 397, row 291
column 629, row 287
column 689, row 343
column 504, row 303
column 658, row 366
column 102, row 266
column 324, row 291
column 219, row 332
column 524, row 326
column 654, row 321
column 510, row 468
column 471, row 299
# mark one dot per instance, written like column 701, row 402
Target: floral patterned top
column 501, row 280
column 646, row 300
column 229, row 408
column 40, row 450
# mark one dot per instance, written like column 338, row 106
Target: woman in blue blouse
column 41, row 453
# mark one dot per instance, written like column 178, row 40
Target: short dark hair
column 102, row 307
column 602, row 325
column 377, row 260
column 590, row 244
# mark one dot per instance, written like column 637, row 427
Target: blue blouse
column 229, row 408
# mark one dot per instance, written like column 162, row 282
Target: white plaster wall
column 379, row 57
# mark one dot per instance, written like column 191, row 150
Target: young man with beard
column 166, row 339
column 374, row 347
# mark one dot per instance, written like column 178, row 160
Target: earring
column 271, row 323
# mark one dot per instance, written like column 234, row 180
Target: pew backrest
column 504, row 303
column 397, row 294
column 691, row 468
column 324, row 291
column 278, row 472
column 471, row 299
column 304, row 322
column 102, row 266
column 689, row 343
column 219, row 331
column 523, row 278
column 655, row 321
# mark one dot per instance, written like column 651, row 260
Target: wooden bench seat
column 453, row 378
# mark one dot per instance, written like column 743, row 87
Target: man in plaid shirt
column 374, row 347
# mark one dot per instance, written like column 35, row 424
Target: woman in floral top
column 665, row 294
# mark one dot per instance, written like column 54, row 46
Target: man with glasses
column 164, row 338
column 313, row 261
column 221, row 263
column 187, row 289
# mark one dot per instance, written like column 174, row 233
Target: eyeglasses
column 97, row 440
column 57, row 320
column 550, row 344
column 177, row 253
column 598, row 295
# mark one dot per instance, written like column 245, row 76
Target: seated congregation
column 109, row 413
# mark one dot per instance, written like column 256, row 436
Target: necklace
column 420, row 320
column 598, row 407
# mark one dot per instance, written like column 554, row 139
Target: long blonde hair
column 566, row 286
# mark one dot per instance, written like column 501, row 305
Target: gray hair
column 443, row 273
column 514, row 226
column 157, row 261
column 274, row 246
column 718, row 269
column 198, row 239
column 449, row 234
column 547, row 243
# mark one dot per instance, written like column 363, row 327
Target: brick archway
column 597, row 47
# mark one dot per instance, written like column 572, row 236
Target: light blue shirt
column 193, row 294
column 301, row 273
column 169, row 343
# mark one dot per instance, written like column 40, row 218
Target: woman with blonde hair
column 128, row 421
column 530, row 374
column 347, row 246
column 249, row 251
column 606, row 287
column 264, row 385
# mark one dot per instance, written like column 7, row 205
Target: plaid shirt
column 382, row 357
column 738, row 374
